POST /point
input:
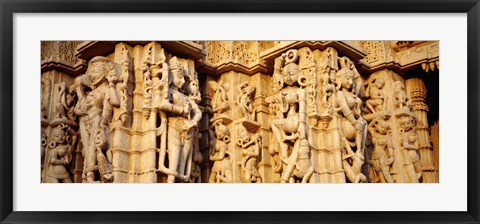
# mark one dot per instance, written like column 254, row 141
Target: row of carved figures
column 291, row 105
column 308, row 95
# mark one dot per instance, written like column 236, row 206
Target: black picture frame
column 9, row 7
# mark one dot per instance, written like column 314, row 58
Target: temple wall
column 239, row 111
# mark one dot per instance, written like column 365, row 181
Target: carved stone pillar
column 59, row 66
column 122, row 116
column 418, row 93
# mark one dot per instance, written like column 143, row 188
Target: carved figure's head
column 379, row 83
column 193, row 87
column 222, row 132
column 399, row 86
column 99, row 68
column 178, row 73
column 382, row 126
column 243, row 134
column 290, row 74
column 344, row 79
column 58, row 137
column 407, row 123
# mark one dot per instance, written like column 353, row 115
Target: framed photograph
column 245, row 112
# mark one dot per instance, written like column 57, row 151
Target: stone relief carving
column 299, row 164
column 220, row 97
column 60, row 149
column 46, row 89
column 182, row 122
column 122, row 85
column 220, row 138
column 377, row 101
column 382, row 155
column 97, row 96
column 245, row 100
column 289, row 125
column 401, row 99
column 410, row 147
column 137, row 114
column 353, row 126
column 250, row 145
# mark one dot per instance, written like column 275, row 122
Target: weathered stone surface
column 239, row 112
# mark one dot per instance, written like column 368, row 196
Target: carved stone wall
column 237, row 112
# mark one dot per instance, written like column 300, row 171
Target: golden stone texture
column 239, row 111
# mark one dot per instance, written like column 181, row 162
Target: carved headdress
column 107, row 64
column 175, row 65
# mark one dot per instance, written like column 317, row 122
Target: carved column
column 418, row 93
column 122, row 116
column 59, row 66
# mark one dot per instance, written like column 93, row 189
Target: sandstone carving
column 182, row 122
column 239, row 112
column 97, row 96
column 289, row 125
column 250, row 145
column 60, row 153
column 382, row 155
column 353, row 126
column 221, row 170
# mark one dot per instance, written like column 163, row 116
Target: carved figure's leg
column 309, row 174
column 292, row 161
column 174, row 149
column 386, row 174
column 185, row 163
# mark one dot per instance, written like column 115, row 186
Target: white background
column 449, row 194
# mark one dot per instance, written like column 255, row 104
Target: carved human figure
column 401, row 98
column 60, row 153
column 245, row 100
column 353, row 127
column 299, row 164
column 382, row 156
column 226, row 172
column 327, row 97
column 64, row 107
column 289, row 126
column 218, row 150
column 251, row 146
column 410, row 146
column 377, row 101
column 97, row 97
column 220, row 97
column 183, row 115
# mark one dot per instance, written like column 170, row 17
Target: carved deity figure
column 401, row 99
column 97, row 97
column 220, row 97
column 183, row 115
column 218, row 152
column 377, row 101
column 65, row 106
column 353, row 127
column 289, row 126
column 60, row 153
column 245, row 100
column 328, row 95
column 251, row 146
column 410, row 147
column 382, row 156
column 299, row 164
